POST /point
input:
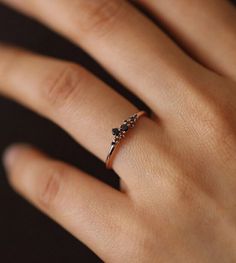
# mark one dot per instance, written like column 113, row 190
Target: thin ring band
column 119, row 134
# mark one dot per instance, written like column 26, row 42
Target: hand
column 177, row 169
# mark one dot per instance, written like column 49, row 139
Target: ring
column 119, row 134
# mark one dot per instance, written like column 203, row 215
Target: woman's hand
column 178, row 169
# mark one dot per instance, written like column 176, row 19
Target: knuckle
column 50, row 187
column 101, row 15
column 216, row 124
column 61, row 85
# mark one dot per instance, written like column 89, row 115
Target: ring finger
column 77, row 101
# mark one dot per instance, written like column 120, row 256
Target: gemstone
column 124, row 127
column 115, row 132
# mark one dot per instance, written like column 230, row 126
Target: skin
column 177, row 169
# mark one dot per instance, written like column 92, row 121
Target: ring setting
column 120, row 133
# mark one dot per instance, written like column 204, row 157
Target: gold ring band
column 119, row 134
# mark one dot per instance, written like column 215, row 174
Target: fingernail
column 12, row 153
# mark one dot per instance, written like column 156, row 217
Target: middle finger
column 126, row 42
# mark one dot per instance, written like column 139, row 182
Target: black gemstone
column 124, row 127
column 115, row 132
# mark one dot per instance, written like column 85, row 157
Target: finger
column 206, row 28
column 77, row 101
column 123, row 40
column 90, row 210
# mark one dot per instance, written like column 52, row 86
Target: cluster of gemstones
column 119, row 133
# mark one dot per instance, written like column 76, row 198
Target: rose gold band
column 119, row 134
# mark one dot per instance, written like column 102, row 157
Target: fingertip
column 12, row 153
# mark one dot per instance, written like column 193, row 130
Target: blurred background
column 26, row 235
